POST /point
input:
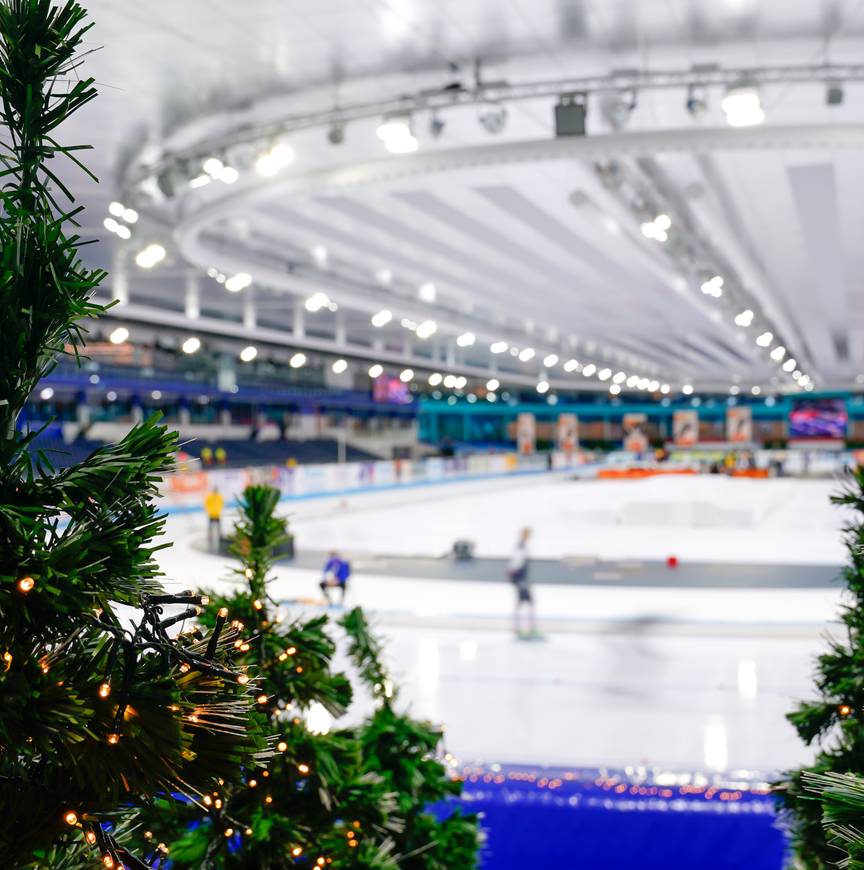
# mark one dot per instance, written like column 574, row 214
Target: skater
column 517, row 571
column 213, row 505
column 335, row 576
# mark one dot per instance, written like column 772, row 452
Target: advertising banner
column 526, row 434
column 635, row 432
column 739, row 424
column 685, row 428
column 567, row 432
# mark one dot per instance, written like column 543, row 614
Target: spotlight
column 713, row 286
column 426, row 329
column 238, row 282
column 696, row 102
column 382, row 318
column 834, row 94
column 119, row 335
column 213, row 166
column 492, row 117
column 742, row 106
column 427, row 292
column 274, row 160
column 436, row 125
column 191, row 345
column 248, row 353
column 317, row 301
column 396, row 133
column 336, row 133
column 150, row 256
column 570, row 113
column 339, row 366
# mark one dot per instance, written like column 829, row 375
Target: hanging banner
column 739, row 424
column 635, row 432
column 526, row 434
column 685, row 428
column 567, row 432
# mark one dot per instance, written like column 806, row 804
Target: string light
column 229, row 832
column 90, row 837
column 26, row 584
column 248, row 832
column 282, row 746
column 185, row 667
column 107, row 860
column 252, row 783
column 105, row 690
column 242, row 679
column 113, row 738
column 71, row 818
column 262, row 699
column 223, row 612
column 7, row 658
column 845, row 710
column 208, row 801
column 258, row 604
column 296, row 851
column 303, row 768
column 268, row 799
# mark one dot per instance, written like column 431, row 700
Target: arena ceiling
column 513, row 236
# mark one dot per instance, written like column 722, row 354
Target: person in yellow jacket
column 213, row 504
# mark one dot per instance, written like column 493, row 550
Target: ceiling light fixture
column 778, row 353
column 466, row 339
column 492, row 384
column 382, row 318
column 589, row 370
column 191, row 345
column 396, row 132
column 339, row 366
column 550, row 360
column 571, row 365
column 745, row 318
column 298, row 360
column 238, row 282
column 427, row 329
column 119, row 335
column 498, row 346
column 376, row 370
column 150, row 256
column 248, row 353
column 742, row 106
column 526, row 354
column 789, row 365
column 765, row 339
column 435, row 378
column 274, row 160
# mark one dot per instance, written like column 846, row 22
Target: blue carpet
column 592, row 820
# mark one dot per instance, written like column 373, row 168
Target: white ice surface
column 613, row 684
column 700, row 518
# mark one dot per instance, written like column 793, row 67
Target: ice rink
column 683, row 678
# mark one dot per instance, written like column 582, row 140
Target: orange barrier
column 750, row 472
column 638, row 473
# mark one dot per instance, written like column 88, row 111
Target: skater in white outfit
column 517, row 571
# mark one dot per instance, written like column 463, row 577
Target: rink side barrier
column 183, row 491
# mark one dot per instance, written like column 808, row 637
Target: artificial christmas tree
column 836, row 720
column 101, row 708
column 351, row 798
column 314, row 804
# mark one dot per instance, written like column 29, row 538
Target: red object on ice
column 671, row 561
